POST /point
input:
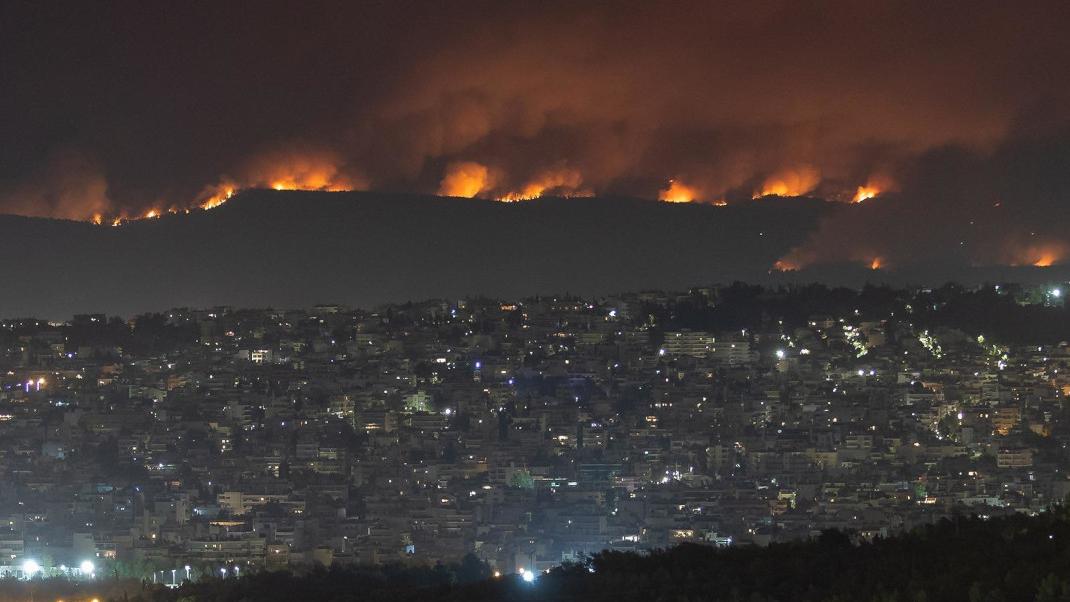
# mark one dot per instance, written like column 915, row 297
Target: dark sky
column 956, row 112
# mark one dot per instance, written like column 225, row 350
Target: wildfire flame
column 790, row 182
column 865, row 193
column 280, row 171
column 1041, row 255
column 291, row 170
column 876, row 264
column 564, row 181
column 465, row 179
column 876, row 185
column 784, row 265
column 678, row 192
column 223, row 194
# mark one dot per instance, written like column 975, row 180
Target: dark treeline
column 1009, row 314
column 963, row 559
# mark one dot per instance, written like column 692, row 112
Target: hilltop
column 267, row 248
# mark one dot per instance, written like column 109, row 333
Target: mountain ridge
column 290, row 248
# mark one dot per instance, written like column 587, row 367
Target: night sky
column 954, row 115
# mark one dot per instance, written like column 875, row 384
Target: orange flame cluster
column 785, row 265
column 465, row 179
column 790, row 182
column 678, row 192
column 864, row 193
column 1041, row 255
column 876, row 264
column 313, row 171
column 876, row 185
column 222, row 193
column 279, row 171
column 564, row 181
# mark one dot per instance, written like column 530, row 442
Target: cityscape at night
column 523, row 434
column 397, row 300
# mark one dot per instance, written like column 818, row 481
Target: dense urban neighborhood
column 524, row 433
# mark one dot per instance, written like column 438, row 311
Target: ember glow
column 876, row 264
column 791, row 182
column 678, row 192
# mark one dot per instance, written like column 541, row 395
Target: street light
column 30, row 568
column 87, row 568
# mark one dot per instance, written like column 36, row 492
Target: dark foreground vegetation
column 1015, row 558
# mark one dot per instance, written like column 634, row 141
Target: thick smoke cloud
column 936, row 108
column 1004, row 207
column 68, row 185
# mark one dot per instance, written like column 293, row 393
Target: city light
column 672, row 370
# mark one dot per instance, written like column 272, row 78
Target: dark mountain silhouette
column 289, row 249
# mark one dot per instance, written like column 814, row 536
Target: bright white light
column 30, row 567
column 87, row 567
column 780, row 354
column 527, row 576
column 1056, row 292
